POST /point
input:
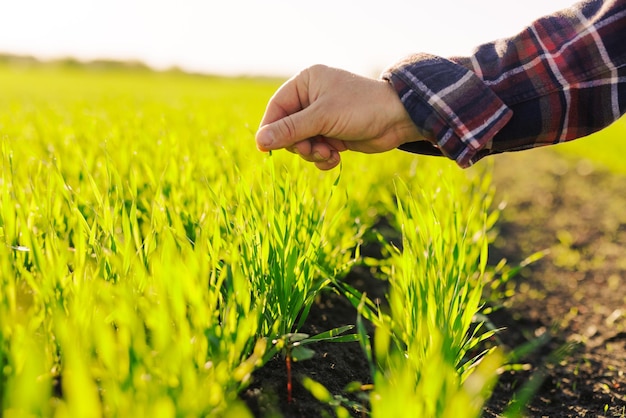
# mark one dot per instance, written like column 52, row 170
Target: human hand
column 323, row 111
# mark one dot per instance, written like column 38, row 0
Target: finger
column 321, row 151
column 336, row 144
column 290, row 98
column 289, row 130
column 302, row 148
column 313, row 150
column 332, row 162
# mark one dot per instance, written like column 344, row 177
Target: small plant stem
column 288, row 363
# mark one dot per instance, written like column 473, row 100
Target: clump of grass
column 435, row 294
column 121, row 318
column 292, row 244
column 425, row 358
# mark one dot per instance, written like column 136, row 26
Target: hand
column 323, row 111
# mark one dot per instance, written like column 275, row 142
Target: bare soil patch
column 576, row 293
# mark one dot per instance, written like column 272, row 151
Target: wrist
column 405, row 129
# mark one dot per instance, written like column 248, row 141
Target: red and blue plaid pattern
column 563, row 77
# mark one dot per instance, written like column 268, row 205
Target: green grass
column 152, row 258
column 426, row 349
column 604, row 149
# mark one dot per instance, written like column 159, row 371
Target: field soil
column 572, row 301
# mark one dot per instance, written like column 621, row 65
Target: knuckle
column 316, row 68
column 287, row 129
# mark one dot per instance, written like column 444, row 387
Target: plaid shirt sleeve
column 561, row 78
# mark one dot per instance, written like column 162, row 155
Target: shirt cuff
column 457, row 112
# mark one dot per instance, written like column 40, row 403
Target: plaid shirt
column 561, row 78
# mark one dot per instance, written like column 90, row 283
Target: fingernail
column 318, row 156
column 265, row 139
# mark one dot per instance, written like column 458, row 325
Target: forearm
column 562, row 78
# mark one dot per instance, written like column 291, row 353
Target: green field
column 153, row 258
column 603, row 149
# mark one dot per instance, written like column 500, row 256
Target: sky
column 260, row 37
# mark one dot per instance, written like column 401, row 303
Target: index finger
column 290, row 98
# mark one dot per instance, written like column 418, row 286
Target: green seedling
column 523, row 396
column 340, row 404
column 292, row 347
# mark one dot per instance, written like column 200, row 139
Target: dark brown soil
column 575, row 297
column 577, row 293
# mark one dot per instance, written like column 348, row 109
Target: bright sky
column 260, row 37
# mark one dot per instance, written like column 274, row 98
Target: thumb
column 287, row 131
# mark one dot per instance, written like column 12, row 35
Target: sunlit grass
column 152, row 257
column 152, row 254
column 426, row 357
